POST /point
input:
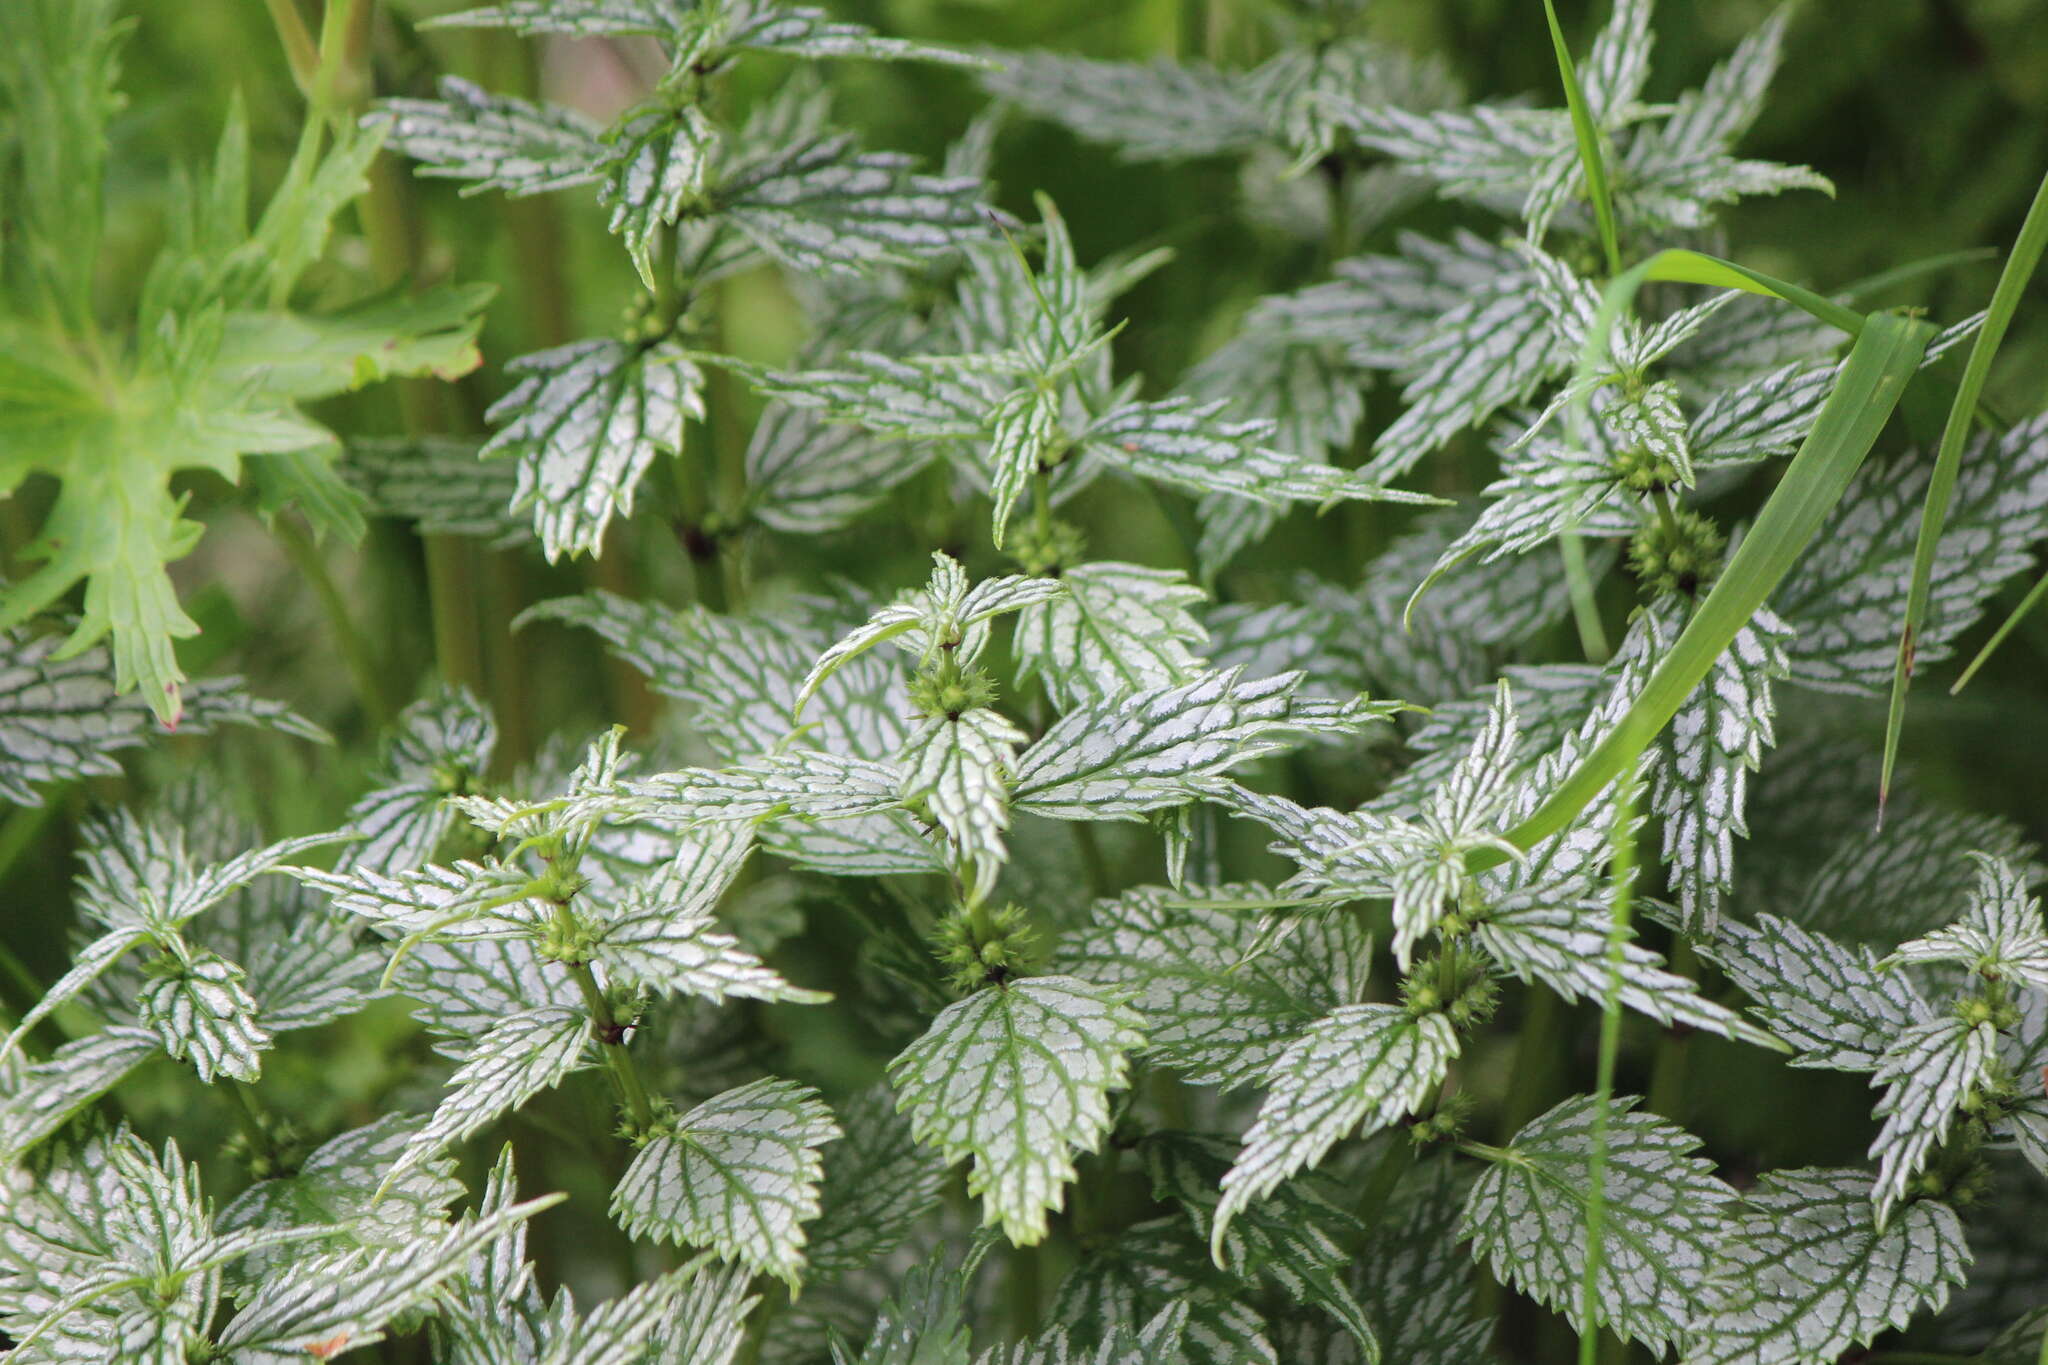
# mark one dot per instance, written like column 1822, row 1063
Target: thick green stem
column 610, row 1034
column 1022, row 1289
column 1538, row 1049
column 1386, row 1175
column 1667, row 1073
column 1585, row 609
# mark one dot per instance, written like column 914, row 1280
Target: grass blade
column 1588, row 137
column 2005, row 300
column 2019, row 614
column 1874, row 377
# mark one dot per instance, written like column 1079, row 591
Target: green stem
column 356, row 653
column 299, row 49
column 1092, row 861
column 1622, row 843
column 609, row 1032
column 1588, row 136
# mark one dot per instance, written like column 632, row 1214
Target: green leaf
column 1361, row 1068
column 496, row 142
column 1117, row 629
column 920, row 1324
column 739, row 1173
column 585, row 421
column 806, row 475
column 1017, row 1077
column 1664, row 1213
column 306, row 356
column 1414, row 1284
column 42, row 1097
column 1806, row 1274
column 1218, row 1001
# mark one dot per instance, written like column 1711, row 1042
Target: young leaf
column 1805, row 1273
column 1930, row 1071
column 739, row 1174
column 199, row 1011
column 656, row 162
column 1363, row 1067
column 1017, row 1077
column 444, row 741
column 1155, row 111
column 1999, row 937
column 956, row 767
column 1664, row 1214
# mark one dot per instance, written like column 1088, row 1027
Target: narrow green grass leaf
column 1588, row 136
column 2005, row 301
column 1874, row 377
column 1622, row 855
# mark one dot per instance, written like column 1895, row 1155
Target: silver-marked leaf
column 1700, row 787
column 1362, row 1068
column 1540, row 935
column 41, row 1097
column 1847, row 595
column 1767, row 416
column 957, row 767
column 520, row 1057
column 458, row 900
column 1414, row 1282
column 200, row 1011
column 1527, row 1218
column 806, row 475
column 439, row 485
column 1190, row 445
column 495, row 142
column 1218, row 1002
column 1806, row 1274
column 817, row 203
column 443, row 742
column 657, row 161
column 352, row 1295
column 2000, row 935
column 1831, row 1002
column 1930, row 1070
column 1118, row 629
column 879, row 1184
column 738, row 1174
column 584, row 422
column 805, row 785
column 804, row 31
column 1017, row 1078
column 1165, row 746
column 708, row 1326
column 61, row 719
column 1155, row 111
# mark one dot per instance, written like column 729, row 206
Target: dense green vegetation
column 1130, row 680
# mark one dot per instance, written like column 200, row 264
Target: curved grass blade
column 1884, row 358
column 2005, row 301
column 1588, row 137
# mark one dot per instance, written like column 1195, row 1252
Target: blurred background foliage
column 1930, row 116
